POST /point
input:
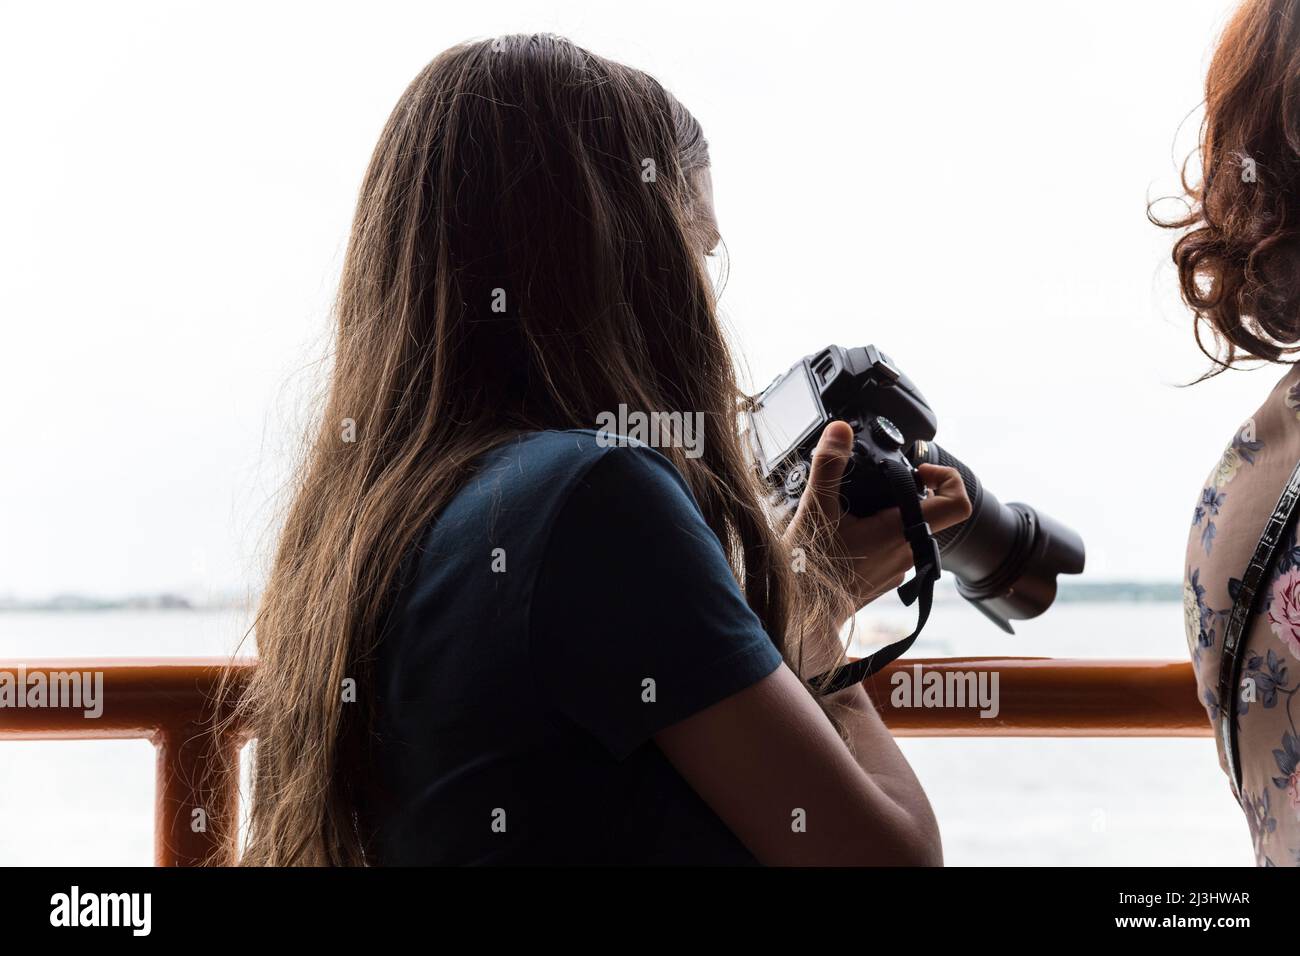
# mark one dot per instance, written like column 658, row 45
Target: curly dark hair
column 1239, row 260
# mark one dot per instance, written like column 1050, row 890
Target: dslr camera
column 1005, row 557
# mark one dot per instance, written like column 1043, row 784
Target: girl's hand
column 879, row 556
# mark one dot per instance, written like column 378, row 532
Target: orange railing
column 170, row 701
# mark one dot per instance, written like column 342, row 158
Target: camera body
column 861, row 386
column 1006, row 558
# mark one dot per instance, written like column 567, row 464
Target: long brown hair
column 524, row 256
column 1239, row 261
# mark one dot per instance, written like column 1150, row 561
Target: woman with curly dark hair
column 1239, row 270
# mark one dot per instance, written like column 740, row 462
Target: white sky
column 962, row 184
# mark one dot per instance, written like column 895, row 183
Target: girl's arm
column 768, row 760
column 773, row 768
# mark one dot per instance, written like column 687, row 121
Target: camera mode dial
column 886, row 433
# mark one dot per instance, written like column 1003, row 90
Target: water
column 1000, row 801
column 1073, row 801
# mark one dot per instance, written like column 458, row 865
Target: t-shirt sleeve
column 637, row 620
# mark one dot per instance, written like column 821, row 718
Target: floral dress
column 1238, row 498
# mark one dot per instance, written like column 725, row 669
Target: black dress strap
column 1243, row 604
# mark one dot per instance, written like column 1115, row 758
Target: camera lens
column 1005, row 557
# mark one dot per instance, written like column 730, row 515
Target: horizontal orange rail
column 172, row 702
column 1047, row 697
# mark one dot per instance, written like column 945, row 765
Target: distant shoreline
column 1103, row 592
column 1162, row 591
column 74, row 603
column 1068, row 592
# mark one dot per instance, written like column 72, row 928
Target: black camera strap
column 918, row 590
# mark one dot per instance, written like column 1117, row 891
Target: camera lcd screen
column 787, row 413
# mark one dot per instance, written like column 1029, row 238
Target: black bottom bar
column 632, row 907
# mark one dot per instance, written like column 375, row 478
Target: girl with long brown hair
column 492, row 634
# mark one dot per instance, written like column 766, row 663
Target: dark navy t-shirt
column 567, row 604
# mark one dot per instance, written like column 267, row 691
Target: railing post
column 196, row 819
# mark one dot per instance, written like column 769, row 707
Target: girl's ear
column 704, row 223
